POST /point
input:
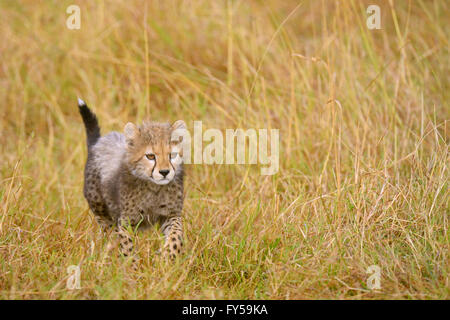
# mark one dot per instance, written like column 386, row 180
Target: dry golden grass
column 363, row 118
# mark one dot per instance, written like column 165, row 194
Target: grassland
column 363, row 118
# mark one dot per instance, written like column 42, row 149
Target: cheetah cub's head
column 154, row 150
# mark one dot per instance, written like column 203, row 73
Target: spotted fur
column 135, row 179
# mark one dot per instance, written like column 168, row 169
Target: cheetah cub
column 135, row 179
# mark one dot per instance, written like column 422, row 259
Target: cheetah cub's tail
column 90, row 122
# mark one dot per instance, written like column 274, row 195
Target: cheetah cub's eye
column 173, row 155
column 150, row 156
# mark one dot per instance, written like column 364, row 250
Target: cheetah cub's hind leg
column 173, row 233
column 101, row 216
column 95, row 201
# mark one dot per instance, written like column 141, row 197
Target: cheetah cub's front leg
column 173, row 232
column 125, row 238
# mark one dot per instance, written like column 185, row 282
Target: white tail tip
column 81, row 102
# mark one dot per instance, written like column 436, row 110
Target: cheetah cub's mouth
column 154, row 150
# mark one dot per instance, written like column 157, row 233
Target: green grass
column 363, row 118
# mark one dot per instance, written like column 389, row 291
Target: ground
column 363, row 119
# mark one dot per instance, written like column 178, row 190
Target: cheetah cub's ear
column 131, row 131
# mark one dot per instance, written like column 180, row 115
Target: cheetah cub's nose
column 164, row 172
